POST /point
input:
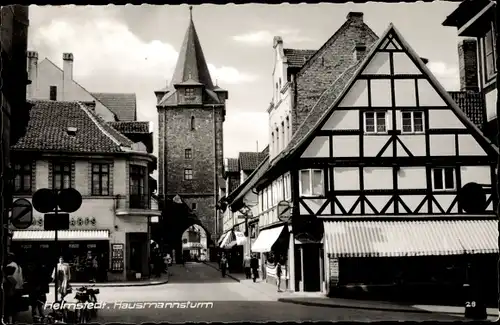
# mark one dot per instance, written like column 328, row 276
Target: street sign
column 69, row 200
column 56, row 221
column 284, row 211
column 22, row 214
column 44, row 200
column 472, row 198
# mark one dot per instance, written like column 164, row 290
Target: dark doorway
column 311, row 278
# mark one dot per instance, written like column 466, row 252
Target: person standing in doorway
column 247, row 267
column 224, row 265
column 279, row 272
column 254, row 265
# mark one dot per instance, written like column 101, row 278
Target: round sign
column 69, row 200
column 284, row 211
column 472, row 198
column 44, row 200
column 22, row 214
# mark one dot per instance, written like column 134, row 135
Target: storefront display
column 117, row 257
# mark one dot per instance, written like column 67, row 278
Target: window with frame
column 272, row 143
column 23, row 174
column 188, row 153
column 138, row 191
column 266, row 203
column 189, row 92
column 412, row 122
column 100, row 179
column 287, row 187
column 194, row 206
column 443, row 179
column 312, row 182
column 489, row 47
column 269, row 197
column 277, row 140
column 375, row 122
column 288, row 135
column 61, row 175
column 188, row 174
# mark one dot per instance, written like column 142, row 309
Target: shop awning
column 239, row 241
column 225, row 240
column 191, row 245
column 63, row 235
column 410, row 238
column 221, row 238
column 266, row 239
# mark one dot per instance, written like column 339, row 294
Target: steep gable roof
column 123, row 105
column 358, row 68
column 249, row 184
column 250, row 160
column 48, row 130
column 232, row 165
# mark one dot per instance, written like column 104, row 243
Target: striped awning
column 226, row 239
column 410, row 238
column 239, row 240
column 63, row 235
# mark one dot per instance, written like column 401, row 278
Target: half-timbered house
column 389, row 179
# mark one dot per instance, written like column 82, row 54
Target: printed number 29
column 469, row 304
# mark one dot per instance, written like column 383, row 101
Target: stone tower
column 191, row 113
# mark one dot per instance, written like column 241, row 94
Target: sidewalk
column 378, row 305
column 139, row 283
column 235, row 276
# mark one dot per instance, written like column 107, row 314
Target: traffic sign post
column 46, row 200
column 22, row 214
column 284, row 211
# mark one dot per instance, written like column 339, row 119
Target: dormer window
column 189, row 92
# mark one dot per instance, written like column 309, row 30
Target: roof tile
column 472, row 104
column 250, row 160
column 50, row 120
column 297, row 57
column 232, row 165
column 123, row 105
column 131, row 126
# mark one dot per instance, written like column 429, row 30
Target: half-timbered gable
column 393, row 142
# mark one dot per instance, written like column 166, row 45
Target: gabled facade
column 68, row 145
column 475, row 22
column 375, row 169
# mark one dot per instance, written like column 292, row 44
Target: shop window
column 375, row 122
column 23, row 178
column 443, row 179
column 188, row 174
column 194, row 206
column 100, row 179
column 489, row 43
column 138, row 195
column 61, row 175
column 311, row 182
column 413, row 122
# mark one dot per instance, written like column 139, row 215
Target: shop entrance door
column 311, row 278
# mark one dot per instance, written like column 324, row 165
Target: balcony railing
column 139, row 202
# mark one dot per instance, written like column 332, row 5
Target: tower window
column 188, row 174
column 53, row 93
column 188, row 153
column 189, row 92
column 194, row 206
column 192, row 123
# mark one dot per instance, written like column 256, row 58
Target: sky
column 133, row 49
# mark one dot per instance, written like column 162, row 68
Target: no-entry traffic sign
column 22, row 214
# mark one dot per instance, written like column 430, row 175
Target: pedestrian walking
column 9, row 287
column 247, row 266
column 18, row 272
column 254, row 265
column 63, row 273
column 224, row 265
column 279, row 272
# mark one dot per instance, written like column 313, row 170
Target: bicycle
column 86, row 295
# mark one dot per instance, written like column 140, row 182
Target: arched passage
column 175, row 220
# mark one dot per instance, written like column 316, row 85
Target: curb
column 227, row 274
column 402, row 309
column 118, row 284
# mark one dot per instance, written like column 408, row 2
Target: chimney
column 277, row 41
column 32, row 73
column 359, row 51
column 467, row 65
column 355, row 17
column 67, row 75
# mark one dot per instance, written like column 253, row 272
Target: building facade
column 386, row 162
column 111, row 173
column 475, row 22
column 191, row 113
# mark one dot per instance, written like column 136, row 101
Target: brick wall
column 330, row 61
column 467, row 65
column 175, row 135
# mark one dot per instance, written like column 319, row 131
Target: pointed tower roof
column 191, row 65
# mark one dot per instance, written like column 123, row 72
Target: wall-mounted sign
column 334, row 271
column 44, row 245
column 91, row 245
column 117, row 257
